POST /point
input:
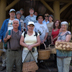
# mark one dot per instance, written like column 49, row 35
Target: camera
column 33, row 49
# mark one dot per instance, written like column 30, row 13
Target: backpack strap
column 25, row 34
column 36, row 34
column 9, row 33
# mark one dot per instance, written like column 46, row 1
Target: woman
column 30, row 41
column 55, row 31
column 50, row 27
column 64, row 57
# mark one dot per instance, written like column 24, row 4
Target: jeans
column 63, row 64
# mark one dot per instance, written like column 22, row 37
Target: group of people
column 24, row 35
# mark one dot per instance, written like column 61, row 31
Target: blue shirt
column 4, row 29
column 44, row 22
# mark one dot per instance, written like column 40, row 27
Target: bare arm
column 55, row 38
column 68, row 38
column 7, row 37
column 46, row 36
column 22, row 42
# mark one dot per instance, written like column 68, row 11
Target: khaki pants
column 13, row 57
column 63, row 64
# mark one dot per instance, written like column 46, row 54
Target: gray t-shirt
column 14, row 42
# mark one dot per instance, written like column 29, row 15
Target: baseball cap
column 30, row 22
column 12, row 10
column 18, row 12
column 22, row 9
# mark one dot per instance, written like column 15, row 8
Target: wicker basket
column 44, row 54
column 52, row 49
column 29, row 66
column 67, row 46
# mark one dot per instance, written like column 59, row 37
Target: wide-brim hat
column 39, row 15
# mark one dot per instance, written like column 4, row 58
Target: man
column 7, row 25
column 22, row 12
column 30, row 17
column 41, row 29
column 46, row 19
column 14, row 48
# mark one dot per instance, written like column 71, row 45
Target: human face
column 12, row 14
column 35, row 13
column 46, row 16
column 57, row 24
column 50, row 19
column 15, row 24
column 40, row 19
column 22, row 12
column 30, row 27
column 64, row 27
column 18, row 16
column 31, row 11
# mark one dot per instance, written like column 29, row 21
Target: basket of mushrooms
column 63, row 46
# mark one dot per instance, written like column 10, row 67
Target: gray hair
column 16, row 20
column 65, row 23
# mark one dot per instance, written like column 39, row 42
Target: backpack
column 5, row 44
column 26, row 33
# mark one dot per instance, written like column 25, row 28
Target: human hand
column 0, row 40
column 9, row 36
column 5, row 39
column 30, row 47
column 63, row 40
column 59, row 40
column 52, row 43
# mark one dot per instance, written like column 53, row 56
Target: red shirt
column 54, row 34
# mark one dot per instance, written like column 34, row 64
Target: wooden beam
column 70, row 17
column 65, row 1
column 65, row 7
column 47, row 6
column 12, row 4
column 68, row 13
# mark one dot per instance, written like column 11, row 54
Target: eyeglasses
column 46, row 16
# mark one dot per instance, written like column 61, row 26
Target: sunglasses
column 46, row 16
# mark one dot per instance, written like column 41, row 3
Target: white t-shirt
column 10, row 26
column 41, row 29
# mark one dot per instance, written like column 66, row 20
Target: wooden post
column 2, row 11
column 56, row 7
